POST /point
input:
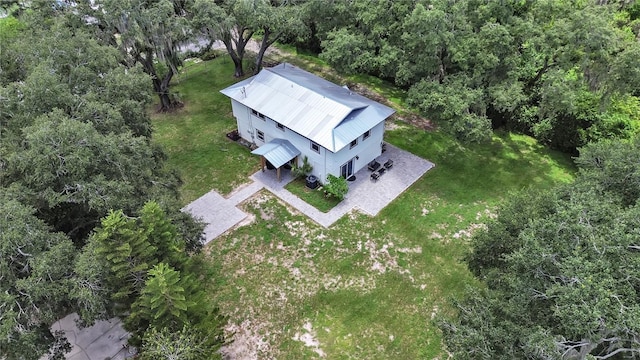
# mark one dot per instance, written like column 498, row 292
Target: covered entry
column 278, row 152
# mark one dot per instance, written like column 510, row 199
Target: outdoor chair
column 375, row 176
column 388, row 164
column 373, row 166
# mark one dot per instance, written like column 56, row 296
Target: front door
column 346, row 170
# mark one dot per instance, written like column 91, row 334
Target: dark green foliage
column 36, row 266
column 549, row 69
column 141, row 264
column 75, row 131
column 614, row 168
column 148, row 33
column 128, row 253
column 75, row 145
column 127, row 248
column 184, row 344
column 166, row 301
column 235, row 22
column 303, row 170
column 336, row 187
column 75, row 174
column 559, row 269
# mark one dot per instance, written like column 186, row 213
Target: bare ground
column 267, row 281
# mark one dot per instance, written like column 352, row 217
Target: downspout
column 333, row 147
column 252, row 131
column 325, row 166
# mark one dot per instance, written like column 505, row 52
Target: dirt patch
column 468, row 232
column 247, row 343
column 392, row 125
column 309, row 339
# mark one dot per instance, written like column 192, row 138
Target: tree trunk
column 237, row 62
column 237, row 54
column 160, row 86
column 266, row 42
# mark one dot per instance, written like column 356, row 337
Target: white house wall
column 366, row 151
column 249, row 125
column 242, row 114
column 324, row 162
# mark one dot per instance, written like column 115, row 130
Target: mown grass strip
column 314, row 197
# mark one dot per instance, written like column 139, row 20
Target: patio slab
column 218, row 213
column 364, row 194
column 103, row 340
column 222, row 214
column 372, row 196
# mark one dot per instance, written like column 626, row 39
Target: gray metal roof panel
column 309, row 105
column 277, row 151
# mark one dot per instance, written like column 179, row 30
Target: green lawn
column 195, row 136
column 366, row 288
column 315, row 197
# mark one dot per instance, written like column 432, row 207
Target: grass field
column 195, row 136
column 366, row 288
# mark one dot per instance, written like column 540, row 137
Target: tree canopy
column 561, row 269
column 76, row 146
column 148, row 33
column 558, row 70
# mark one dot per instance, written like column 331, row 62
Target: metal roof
column 328, row 114
column 277, row 151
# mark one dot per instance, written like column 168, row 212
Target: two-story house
column 289, row 113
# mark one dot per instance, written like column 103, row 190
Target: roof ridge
column 330, row 86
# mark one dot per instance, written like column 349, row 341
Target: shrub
column 304, row 170
column 336, row 186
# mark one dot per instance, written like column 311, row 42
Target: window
column 315, row 147
column 366, row 134
column 255, row 113
column 354, row 143
column 260, row 135
column 280, row 126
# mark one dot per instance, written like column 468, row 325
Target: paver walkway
column 222, row 214
column 104, row 340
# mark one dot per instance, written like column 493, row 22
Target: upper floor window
column 280, row 126
column 353, row 143
column 260, row 135
column 366, row 134
column 255, row 113
column 315, row 147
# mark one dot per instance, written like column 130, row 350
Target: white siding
column 367, row 150
column 242, row 114
column 323, row 163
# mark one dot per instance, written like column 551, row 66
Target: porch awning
column 277, row 151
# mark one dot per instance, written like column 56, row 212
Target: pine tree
column 162, row 234
column 128, row 253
